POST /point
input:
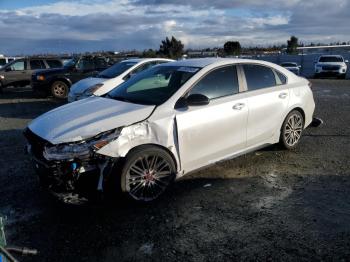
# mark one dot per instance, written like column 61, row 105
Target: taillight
column 309, row 84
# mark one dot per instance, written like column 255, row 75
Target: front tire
column 59, row 89
column 147, row 173
column 291, row 130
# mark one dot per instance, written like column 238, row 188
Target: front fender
column 162, row 133
column 60, row 78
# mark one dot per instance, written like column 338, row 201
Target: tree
column 149, row 53
column 232, row 48
column 171, row 48
column 292, row 45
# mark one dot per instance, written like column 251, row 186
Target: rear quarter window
column 37, row 64
column 259, row 77
column 281, row 77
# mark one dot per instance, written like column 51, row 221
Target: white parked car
column 291, row 66
column 167, row 121
column 112, row 77
column 331, row 65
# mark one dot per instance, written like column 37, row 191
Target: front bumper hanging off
column 72, row 181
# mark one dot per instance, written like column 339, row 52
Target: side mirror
column 8, row 69
column 197, row 100
column 192, row 100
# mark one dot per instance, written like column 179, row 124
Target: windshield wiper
column 120, row 98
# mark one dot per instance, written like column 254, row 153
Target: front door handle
column 238, row 106
column 282, row 95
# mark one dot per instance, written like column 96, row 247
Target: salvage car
column 331, row 65
column 57, row 82
column 291, row 66
column 165, row 122
column 18, row 73
column 111, row 77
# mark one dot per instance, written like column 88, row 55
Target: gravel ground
column 267, row 205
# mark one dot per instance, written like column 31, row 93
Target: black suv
column 57, row 82
column 19, row 72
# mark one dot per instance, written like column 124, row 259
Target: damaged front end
column 73, row 172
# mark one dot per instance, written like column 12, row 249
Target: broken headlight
column 82, row 149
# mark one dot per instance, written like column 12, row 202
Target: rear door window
column 54, row 63
column 218, row 83
column 37, row 64
column 259, row 77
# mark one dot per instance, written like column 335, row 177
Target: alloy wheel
column 148, row 177
column 293, row 129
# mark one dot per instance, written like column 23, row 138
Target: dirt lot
column 267, row 205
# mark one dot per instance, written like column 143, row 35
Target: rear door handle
column 238, row 106
column 282, row 95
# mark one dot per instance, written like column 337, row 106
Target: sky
column 57, row 26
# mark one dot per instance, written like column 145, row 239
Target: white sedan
column 112, row 77
column 167, row 121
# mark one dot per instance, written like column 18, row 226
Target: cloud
column 140, row 24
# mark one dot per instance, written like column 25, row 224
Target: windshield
column 331, row 59
column 116, row 69
column 153, row 86
column 289, row 64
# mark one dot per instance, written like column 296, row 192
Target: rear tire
column 147, row 172
column 59, row 89
column 291, row 130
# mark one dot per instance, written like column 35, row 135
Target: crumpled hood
column 86, row 118
column 82, row 85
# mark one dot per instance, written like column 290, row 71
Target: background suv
column 57, row 82
column 331, row 65
column 19, row 71
column 291, row 66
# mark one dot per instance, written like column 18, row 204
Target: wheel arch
column 63, row 79
column 297, row 108
column 301, row 111
column 164, row 148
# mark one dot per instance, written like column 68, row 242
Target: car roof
column 203, row 62
column 137, row 60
